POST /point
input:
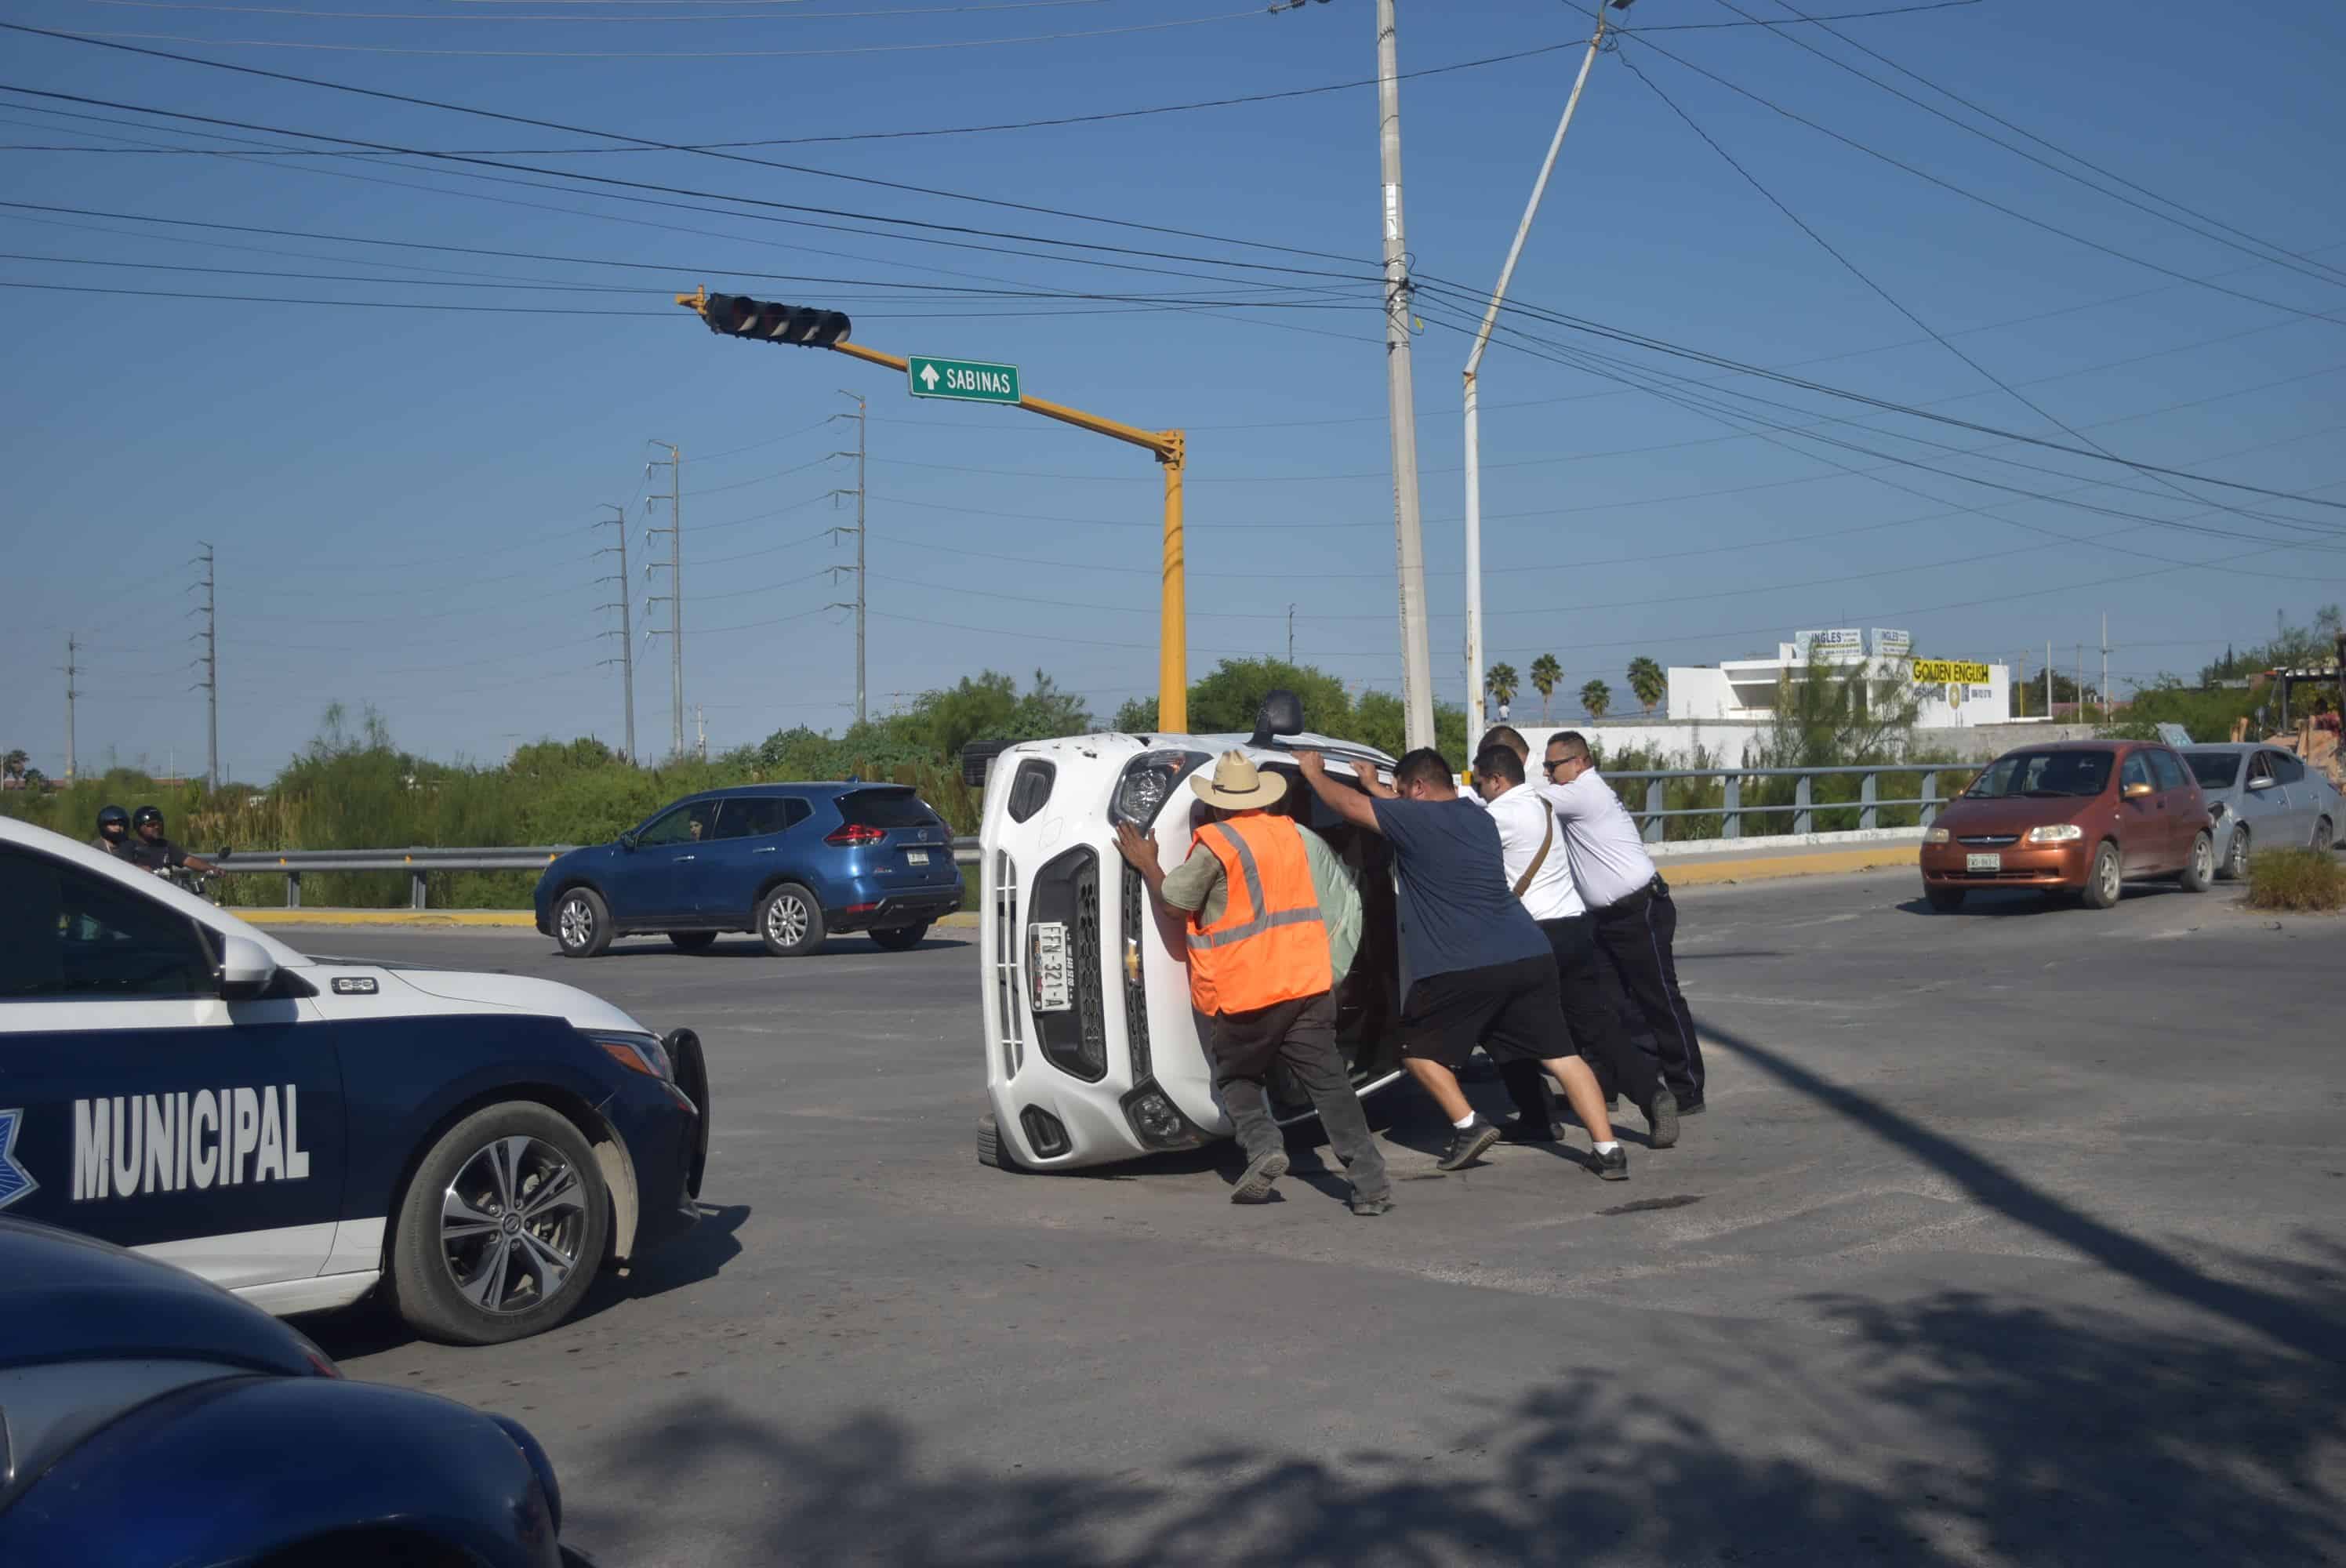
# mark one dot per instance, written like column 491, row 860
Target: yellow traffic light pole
column 1171, row 448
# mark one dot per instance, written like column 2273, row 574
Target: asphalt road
column 2010, row 1236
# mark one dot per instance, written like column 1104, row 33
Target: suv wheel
column 790, row 921
column 582, row 923
column 2105, row 882
column 2200, row 869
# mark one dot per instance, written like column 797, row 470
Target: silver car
column 2261, row 797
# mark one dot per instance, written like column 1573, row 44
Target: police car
column 304, row 1131
column 1093, row 1053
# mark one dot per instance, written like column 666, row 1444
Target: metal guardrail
column 419, row 862
column 1653, row 817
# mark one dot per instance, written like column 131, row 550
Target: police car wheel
column 582, row 923
column 790, row 921
column 503, row 1229
column 900, row 938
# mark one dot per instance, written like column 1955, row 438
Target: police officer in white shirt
column 1635, row 920
column 1539, row 873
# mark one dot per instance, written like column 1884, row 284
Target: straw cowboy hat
column 1238, row 785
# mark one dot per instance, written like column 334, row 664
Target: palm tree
column 1597, row 697
column 1501, row 681
column 1546, row 676
column 1646, row 682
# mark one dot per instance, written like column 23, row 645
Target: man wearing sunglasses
column 1635, row 923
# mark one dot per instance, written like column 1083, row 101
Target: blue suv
column 792, row 863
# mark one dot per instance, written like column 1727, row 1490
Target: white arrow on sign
column 929, row 376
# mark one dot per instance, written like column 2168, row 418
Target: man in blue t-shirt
column 1475, row 968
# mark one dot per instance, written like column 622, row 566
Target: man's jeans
column 1303, row 1036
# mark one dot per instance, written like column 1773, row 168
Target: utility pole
column 626, row 634
column 701, row 729
column 2048, row 677
column 2081, row 682
column 675, row 596
column 1474, row 364
column 1290, row 636
column 72, row 648
column 1409, row 536
column 210, row 660
column 2106, row 666
column 862, row 426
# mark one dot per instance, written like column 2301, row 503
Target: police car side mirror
column 246, row 970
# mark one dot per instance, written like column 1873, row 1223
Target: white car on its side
column 1093, row 1053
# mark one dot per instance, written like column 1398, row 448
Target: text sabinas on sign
column 125, row 1145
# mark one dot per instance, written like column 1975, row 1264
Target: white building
column 1954, row 694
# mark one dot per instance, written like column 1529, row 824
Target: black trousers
column 1598, row 1034
column 1635, row 936
column 1301, row 1037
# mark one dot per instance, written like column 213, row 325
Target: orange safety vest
column 1269, row 945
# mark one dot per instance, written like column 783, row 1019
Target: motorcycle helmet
column 146, row 814
column 113, row 817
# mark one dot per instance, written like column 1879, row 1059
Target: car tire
column 2198, row 872
column 2324, row 835
column 693, row 941
column 582, row 923
column 902, row 938
column 992, row 1152
column 790, row 921
column 2106, row 880
column 2236, row 857
column 461, row 1271
column 1945, row 900
column 691, row 1064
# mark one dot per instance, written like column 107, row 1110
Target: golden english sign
column 1941, row 671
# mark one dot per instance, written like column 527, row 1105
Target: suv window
column 2136, row 771
column 682, row 825
column 65, row 933
column 886, row 808
column 2169, row 772
column 755, row 816
column 2286, row 767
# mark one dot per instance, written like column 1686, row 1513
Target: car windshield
column 2214, row 769
column 2041, row 774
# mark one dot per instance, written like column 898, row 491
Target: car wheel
column 503, row 1228
column 2324, row 835
column 2236, row 857
column 2199, row 871
column 2103, row 882
column 582, row 923
column 1946, row 901
column 692, row 1078
column 899, row 938
column 790, row 921
column 693, row 941
column 992, row 1152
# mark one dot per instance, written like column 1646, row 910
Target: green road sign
column 969, row 380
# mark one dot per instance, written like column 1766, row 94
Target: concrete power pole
column 627, row 633
column 675, row 596
column 2106, row 666
column 72, row 648
column 862, row 426
column 1409, row 538
column 1291, row 635
column 210, row 660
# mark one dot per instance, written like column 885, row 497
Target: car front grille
column 1135, row 958
column 1067, row 891
column 1008, row 977
column 1989, row 840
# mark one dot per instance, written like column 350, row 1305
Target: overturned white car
column 1093, row 1053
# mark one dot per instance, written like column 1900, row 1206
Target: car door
column 657, row 880
column 747, row 850
column 139, row 1106
column 2303, row 803
column 2265, row 804
column 2179, row 803
column 2144, row 833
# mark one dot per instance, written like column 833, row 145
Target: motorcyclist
column 113, row 829
column 150, row 850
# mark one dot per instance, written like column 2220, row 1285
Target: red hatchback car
column 2079, row 817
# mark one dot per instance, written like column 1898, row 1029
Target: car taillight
column 854, row 834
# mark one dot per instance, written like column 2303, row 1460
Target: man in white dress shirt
column 1634, row 919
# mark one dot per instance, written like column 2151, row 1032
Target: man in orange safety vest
column 1271, row 920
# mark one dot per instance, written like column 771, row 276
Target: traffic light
column 738, row 316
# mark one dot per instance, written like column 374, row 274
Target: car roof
column 2083, row 746
column 816, row 791
column 2236, row 747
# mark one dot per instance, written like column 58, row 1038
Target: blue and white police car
column 305, row 1131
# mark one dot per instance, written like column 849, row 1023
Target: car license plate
column 1982, row 862
column 1046, row 967
column 916, row 857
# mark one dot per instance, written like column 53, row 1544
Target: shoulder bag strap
column 1523, row 883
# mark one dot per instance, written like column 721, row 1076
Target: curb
column 427, row 920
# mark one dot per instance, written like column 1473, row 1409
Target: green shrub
column 2306, row 880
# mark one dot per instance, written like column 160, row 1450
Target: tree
column 1137, row 717
column 1597, row 697
column 1501, row 682
column 1546, row 676
column 1647, row 683
column 1226, row 700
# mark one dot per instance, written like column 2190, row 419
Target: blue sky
column 402, row 500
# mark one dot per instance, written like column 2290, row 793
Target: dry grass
column 2305, row 881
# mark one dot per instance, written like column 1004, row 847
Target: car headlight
column 640, row 1052
column 1934, row 836
column 2057, row 833
column 1148, row 782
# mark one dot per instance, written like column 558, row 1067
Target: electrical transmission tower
column 861, row 425
column 675, row 594
column 72, row 649
column 626, row 634
column 210, row 660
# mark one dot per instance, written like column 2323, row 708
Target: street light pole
column 1473, row 416
column 1401, row 397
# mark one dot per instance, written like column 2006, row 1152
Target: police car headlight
column 642, row 1052
column 1148, row 782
